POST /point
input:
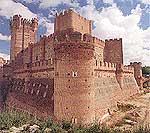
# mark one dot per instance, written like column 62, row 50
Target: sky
column 127, row 19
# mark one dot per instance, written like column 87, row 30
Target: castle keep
column 70, row 74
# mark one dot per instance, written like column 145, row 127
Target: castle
column 68, row 75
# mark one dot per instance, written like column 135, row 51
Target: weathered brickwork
column 138, row 73
column 69, row 74
column 2, row 61
column 72, row 21
column 113, row 51
column 23, row 32
column 34, row 96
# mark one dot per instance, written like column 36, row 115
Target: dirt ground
column 134, row 112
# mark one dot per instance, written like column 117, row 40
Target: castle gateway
column 68, row 75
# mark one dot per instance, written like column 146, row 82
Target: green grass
column 9, row 119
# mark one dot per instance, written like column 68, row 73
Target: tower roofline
column 69, row 19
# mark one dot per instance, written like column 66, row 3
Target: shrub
column 66, row 125
column 7, row 120
column 142, row 129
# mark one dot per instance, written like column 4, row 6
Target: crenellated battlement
column 42, row 65
column 113, row 51
column 135, row 63
column 90, row 38
column 125, row 69
column 76, row 37
column 101, row 65
column 64, row 13
column 98, row 41
column 70, row 12
column 49, row 38
column 128, row 69
column 69, row 19
column 112, row 40
column 17, row 21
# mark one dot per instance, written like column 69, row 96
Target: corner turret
column 138, row 73
column 23, row 32
column 113, row 51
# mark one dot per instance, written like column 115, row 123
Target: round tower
column 16, row 36
column 23, row 32
column 73, row 84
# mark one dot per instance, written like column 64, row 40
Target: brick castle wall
column 33, row 97
column 138, row 73
column 85, row 75
column 74, row 73
column 113, row 51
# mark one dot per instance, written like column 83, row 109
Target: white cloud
column 91, row 2
column 146, row 1
column 111, row 23
column 54, row 3
column 9, row 8
column 5, row 56
column 108, row 1
column 44, row 22
column 4, row 37
column 29, row 1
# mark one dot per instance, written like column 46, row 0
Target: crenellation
column 108, row 66
column 23, row 32
column 88, row 38
column 51, row 37
column 128, row 69
column 138, row 73
column 98, row 41
column 115, row 39
column 113, row 51
column 62, row 22
column 77, row 36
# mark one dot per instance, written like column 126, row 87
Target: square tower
column 70, row 20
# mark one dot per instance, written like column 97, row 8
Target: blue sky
column 128, row 19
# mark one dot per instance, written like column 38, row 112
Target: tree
column 146, row 70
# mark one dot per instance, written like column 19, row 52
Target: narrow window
column 96, row 62
column 46, row 86
column 56, row 74
column 51, row 61
column 37, row 92
column 74, row 74
column 82, row 27
column 39, row 85
column 44, row 95
column 32, row 91
column 52, row 98
column 36, row 57
column 33, row 84
column 68, row 74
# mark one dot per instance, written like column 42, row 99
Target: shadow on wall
column 4, row 89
